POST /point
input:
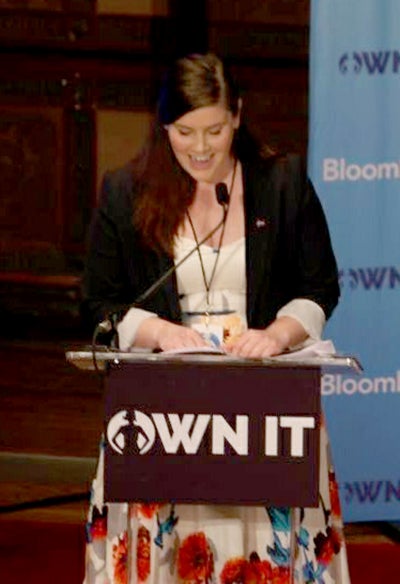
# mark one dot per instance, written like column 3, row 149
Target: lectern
column 211, row 428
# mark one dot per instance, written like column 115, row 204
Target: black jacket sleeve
column 289, row 251
column 119, row 268
column 105, row 277
column 315, row 268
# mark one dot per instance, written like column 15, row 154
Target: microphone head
column 221, row 191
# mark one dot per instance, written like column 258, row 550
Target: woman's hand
column 255, row 344
column 157, row 333
column 281, row 334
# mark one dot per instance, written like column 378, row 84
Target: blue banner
column 354, row 163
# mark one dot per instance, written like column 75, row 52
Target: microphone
column 109, row 324
column 221, row 191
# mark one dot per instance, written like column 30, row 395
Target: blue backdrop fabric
column 354, row 163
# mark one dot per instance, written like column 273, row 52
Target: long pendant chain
column 207, row 284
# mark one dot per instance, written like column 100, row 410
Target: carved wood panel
column 266, row 11
column 30, row 189
column 47, row 164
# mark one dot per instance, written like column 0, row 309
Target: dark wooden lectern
column 211, row 428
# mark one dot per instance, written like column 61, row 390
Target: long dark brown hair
column 163, row 189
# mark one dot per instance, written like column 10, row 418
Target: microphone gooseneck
column 221, row 192
column 108, row 324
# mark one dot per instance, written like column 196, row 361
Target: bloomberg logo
column 337, row 384
column 339, row 170
column 371, row 62
column 137, row 433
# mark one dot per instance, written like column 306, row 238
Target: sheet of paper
column 196, row 351
column 324, row 348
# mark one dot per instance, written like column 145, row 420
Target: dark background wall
column 78, row 80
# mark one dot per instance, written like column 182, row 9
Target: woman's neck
column 206, row 190
column 205, row 212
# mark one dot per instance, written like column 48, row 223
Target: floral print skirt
column 217, row 544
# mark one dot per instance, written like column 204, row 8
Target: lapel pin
column 260, row 222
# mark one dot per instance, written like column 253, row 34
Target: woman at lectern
column 255, row 275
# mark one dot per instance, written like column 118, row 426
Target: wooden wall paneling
column 252, row 41
column 276, row 104
column 81, row 31
column 127, row 7
column 54, row 27
column 80, row 164
column 50, row 5
column 154, row 36
column 48, row 143
column 126, row 85
column 30, row 188
column 261, row 11
column 136, row 37
column 125, row 101
column 31, row 216
column 120, row 134
column 271, row 62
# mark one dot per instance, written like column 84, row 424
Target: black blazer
column 288, row 248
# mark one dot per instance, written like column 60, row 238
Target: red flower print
column 326, row 546
column 280, row 575
column 98, row 525
column 241, row 571
column 334, row 495
column 146, row 510
column 143, row 554
column 120, row 558
column 233, row 571
column 195, row 559
column 257, row 571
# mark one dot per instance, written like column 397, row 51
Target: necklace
column 207, row 283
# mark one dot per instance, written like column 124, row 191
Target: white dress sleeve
column 128, row 326
column 308, row 313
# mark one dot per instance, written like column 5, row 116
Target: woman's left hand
column 281, row 334
column 255, row 344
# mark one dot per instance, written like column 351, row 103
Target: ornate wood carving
column 291, row 12
column 30, row 187
column 255, row 42
column 142, row 36
column 50, row 5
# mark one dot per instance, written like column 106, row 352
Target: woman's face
column 202, row 140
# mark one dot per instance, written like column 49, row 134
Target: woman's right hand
column 157, row 333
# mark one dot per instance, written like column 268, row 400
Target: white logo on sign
column 146, row 433
column 140, row 429
column 186, row 432
column 115, row 433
